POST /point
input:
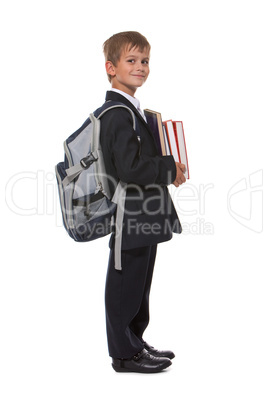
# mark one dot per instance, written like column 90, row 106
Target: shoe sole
column 144, row 371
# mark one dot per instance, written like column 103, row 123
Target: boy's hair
column 114, row 46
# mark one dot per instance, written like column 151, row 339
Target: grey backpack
column 88, row 208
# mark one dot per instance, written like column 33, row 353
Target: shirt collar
column 135, row 102
column 131, row 99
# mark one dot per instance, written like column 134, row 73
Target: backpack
column 87, row 206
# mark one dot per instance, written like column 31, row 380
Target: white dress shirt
column 131, row 99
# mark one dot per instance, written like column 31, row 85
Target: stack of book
column 169, row 137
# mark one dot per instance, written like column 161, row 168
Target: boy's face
column 131, row 70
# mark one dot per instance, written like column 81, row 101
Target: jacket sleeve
column 131, row 166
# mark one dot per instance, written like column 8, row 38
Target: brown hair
column 114, row 46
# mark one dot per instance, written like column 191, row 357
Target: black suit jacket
column 132, row 156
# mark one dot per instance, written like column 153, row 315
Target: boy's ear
column 110, row 69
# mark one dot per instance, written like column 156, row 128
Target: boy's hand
column 180, row 178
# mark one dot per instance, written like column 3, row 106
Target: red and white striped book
column 177, row 144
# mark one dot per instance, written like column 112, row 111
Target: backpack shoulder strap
column 121, row 189
column 109, row 105
column 95, row 117
column 119, row 199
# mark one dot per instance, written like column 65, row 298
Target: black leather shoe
column 142, row 362
column 158, row 353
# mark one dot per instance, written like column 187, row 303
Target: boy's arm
column 130, row 165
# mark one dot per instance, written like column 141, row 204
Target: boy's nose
column 140, row 67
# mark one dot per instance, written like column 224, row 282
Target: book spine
column 176, row 138
column 172, row 140
column 182, row 146
column 185, row 150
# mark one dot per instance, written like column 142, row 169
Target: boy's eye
column 133, row 61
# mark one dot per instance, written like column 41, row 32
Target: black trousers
column 127, row 300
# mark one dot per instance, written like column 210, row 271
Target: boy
column 149, row 218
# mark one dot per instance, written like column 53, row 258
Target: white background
column 209, row 295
